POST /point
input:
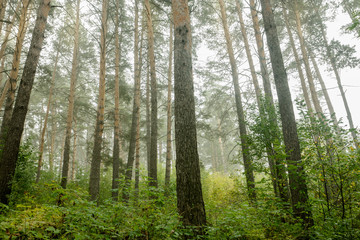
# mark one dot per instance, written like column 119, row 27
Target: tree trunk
column 153, row 138
column 8, row 30
column 2, row 13
column 190, row 202
column 70, row 112
column 53, row 134
column 297, row 178
column 148, row 120
column 249, row 173
column 42, row 140
column 10, row 97
column 73, row 163
column 136, row 108
column 324, row 89
column 12, row 144
column 94, row 184
column 116, row 148
column 298, row 63
column 330, row 56
column 168, row 110
column 309, row 75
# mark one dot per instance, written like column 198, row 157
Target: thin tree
column 70, row 112
column 48, row 107
column 15, row 67
column 12, row 143
column 249, row 172
column 116, row 148
column 153, row 138
column 136, row 108
column 297, row 178
column 94, row 183
column 190, row 201
column 168, row 110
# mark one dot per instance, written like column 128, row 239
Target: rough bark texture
column 12, row 82
column 12, row 144
column 168, row 110
column 94, row 184
column 190, row 202
column 42, row 140
column 297, row 178
column 116, row 148
column 136, row 109
column 153, row 138
column 249, row 173
column 73, row 162
column 2, row 13
column 70, row 112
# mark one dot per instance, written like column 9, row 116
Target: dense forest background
column 158, row 119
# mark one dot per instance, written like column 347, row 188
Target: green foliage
column 24, row 176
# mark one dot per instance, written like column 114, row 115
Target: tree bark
column 2, row 13
column 116, row 148
column 70, row 112
column 15, row 67
column 309, row 75
column 168, row 110
column 190, row 202
column 153, row 138
column 136, row 109
column 12, row 144
column 94, row 184
column 42, row 140
column 297, row 177
column 249, row 172
column 298, row 63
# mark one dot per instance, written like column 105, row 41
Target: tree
column 297, row 178
column 94, row 184
column 12, row 143
column 154, row 106
column 250, row 180
column 168, row 109
column 70, row 112
column 190, row 202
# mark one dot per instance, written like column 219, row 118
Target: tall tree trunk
column 221, row 145
column 168, row 110
column 2, row 13
column 12, row 144
column 137, row 135
column 323, row 88
column 70, row 112
column 10, row 97
column 249, row 173
column 148, row 120
column 94, row 184
column 73, row 163
column 53, row 134
column 190, row 201
column 116, row 148
column 8, row 30
column 136, row 108
column 277, row 172
column 153, row 141
column 298, row 63
column 331, row 57
column 42, row 140
column 309, row 75
column 297, row 178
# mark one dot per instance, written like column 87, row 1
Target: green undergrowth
column 40, row 215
